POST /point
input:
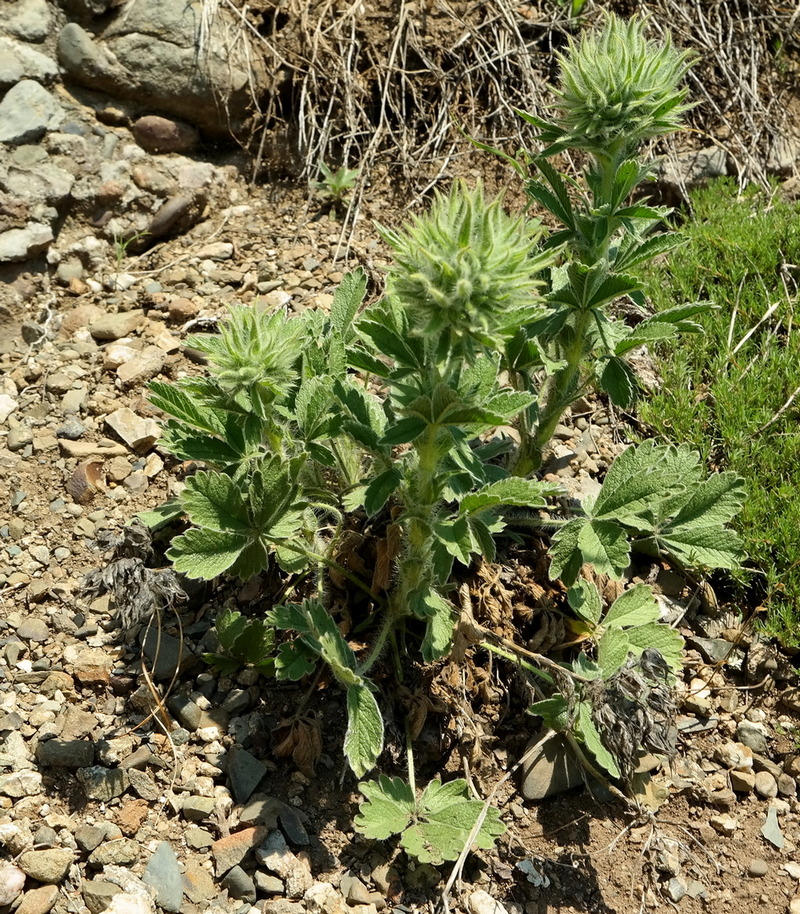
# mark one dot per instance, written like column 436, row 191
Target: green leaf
column 641, row 477
column 347, row 299
column 439, row 633
column 404, row 431
column 181, row 405
column 660, row 637
column 445, row 817
column 584, row 598
column 212, row 500
column 513, row 491
column 703, row 547
column 612, row 651
column 256, row 643
column 228, row 626
column 636, row 606
column 288, row 618
column 565, row 555
column 205, row 554
column 380, row 489
column 161, row 515
column 226, row 665
column 715, row 501
column 593, row 742
column 604, row 545
column 312, row 405
column 295, row 660
column 553, row 711
column 434, row 828
column 363, row 742
column 454, row 535
column 619, row 382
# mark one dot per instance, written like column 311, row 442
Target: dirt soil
column 717, row 828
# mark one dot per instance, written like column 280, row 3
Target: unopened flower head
column 464, row 266
column 619, row 88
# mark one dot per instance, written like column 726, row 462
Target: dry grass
column 379, row 84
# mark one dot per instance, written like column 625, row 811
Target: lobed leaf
column 205, row 554
column 635, row 606
column 212, row 500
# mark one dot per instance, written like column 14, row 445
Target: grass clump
column 725, row 392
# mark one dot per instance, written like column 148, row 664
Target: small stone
column 27, row 112
column 232, row 849
column 72, row 429
column 65, row 753
column 88, row 837
column 119, row 852
column 163, row 873
column 793, row 869
column 275, row 855
column 198, row 886
column 92, row 667
column 97, row 894
column 19, row 438
column 198, row 838
column 752, row 736
column 794, row 905
column 239, row 885
column 49, row 866
column 676, row 888
column 116, row 326
column 12, row 882
column 8, row 405
column 143, row 785
column 757, row 868
column 187, row 712
column 724, row 825
column 143, row 367
column 160, row 134
column 787, row 785
column 481, row 902
column 734, row 756
column 550, row 769
column 39, row 901
column 195, row 809
column 268, row 884
column 131, row 815
column 20, row 784
column 766, row 785
column 102, row 783
column 743, row 781
column 34, row 630
column 245, row 772
column 139, row 434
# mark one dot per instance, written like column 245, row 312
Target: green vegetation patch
column 726, row 392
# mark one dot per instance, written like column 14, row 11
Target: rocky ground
column 118, row 236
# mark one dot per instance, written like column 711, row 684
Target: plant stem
column 387, row 627
column 330, row 563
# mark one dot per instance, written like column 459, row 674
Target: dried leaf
column 300, row 740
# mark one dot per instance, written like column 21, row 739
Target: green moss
column 721, row 393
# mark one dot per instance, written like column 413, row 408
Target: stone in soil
column 65, row 753
column 198, row 885
column 88, row 837
column 163, row 874
column 245, row 772
column 49, row 866
column 231, row 850
column 97, row 894
column 12, row 881
column 274, row 854
column 551, row 768
column 102, row 783
column 239, row 884
column 34, row 630
column 39, row 901
column 757, row 868
column 20, row 784
column 766, row 785
column 195, row 809
column 119, row 852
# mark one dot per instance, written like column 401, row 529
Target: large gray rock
column 42, row 182
column 27, row 112
column 18, row 61
column 164, row 875
column 152, row 51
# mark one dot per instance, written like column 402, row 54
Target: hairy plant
column 386, row 416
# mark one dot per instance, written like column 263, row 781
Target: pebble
column 102, row 783
column 239, row 884
column 765, row 785
column 757, row 868
column 50, row 866
column 98, row 894
column 39, row 901
column 163, row 873
column 231, row 850
column 724, row 825
column 66, row 753
column 12, row 881
column 34, row 629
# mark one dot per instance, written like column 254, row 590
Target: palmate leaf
column 433, row 828
column 181, row 405
column 703, row 547
column 604, row 544
column 660, row 637
column 228, row 626
column 294, row 661
column 363, row 742
column 510, row 492
column 584, row 598
column 612, row 651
